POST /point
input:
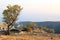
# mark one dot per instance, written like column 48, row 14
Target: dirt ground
column 27, row 38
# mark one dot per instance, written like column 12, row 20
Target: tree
column 32, row 25
column 52, row 30
column 10, row 15
column 44, row 28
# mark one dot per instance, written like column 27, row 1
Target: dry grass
column 3, row 37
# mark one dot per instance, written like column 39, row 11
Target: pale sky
column 35, row 10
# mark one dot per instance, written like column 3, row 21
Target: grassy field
column 27, row 38
column 30, row 37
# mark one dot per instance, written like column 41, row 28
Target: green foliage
column 27, row 29
column 10, row 15
column 52, row 30
column 32, row 25
column 44, row 28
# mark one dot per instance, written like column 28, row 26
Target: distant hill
column 48, row 24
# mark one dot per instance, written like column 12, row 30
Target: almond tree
column 10, row 15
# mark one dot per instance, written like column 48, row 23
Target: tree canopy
column 11, row 13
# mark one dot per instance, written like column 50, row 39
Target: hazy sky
column 35, row 10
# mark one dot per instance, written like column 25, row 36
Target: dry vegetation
column 29, row 37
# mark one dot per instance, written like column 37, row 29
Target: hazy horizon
column 35, row 10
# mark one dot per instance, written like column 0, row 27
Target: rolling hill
column 48, row 24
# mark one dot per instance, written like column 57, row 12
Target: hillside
column 48, row 24
column 28, row 37
column 55, row 25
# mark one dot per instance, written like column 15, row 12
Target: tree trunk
column 8, row 31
